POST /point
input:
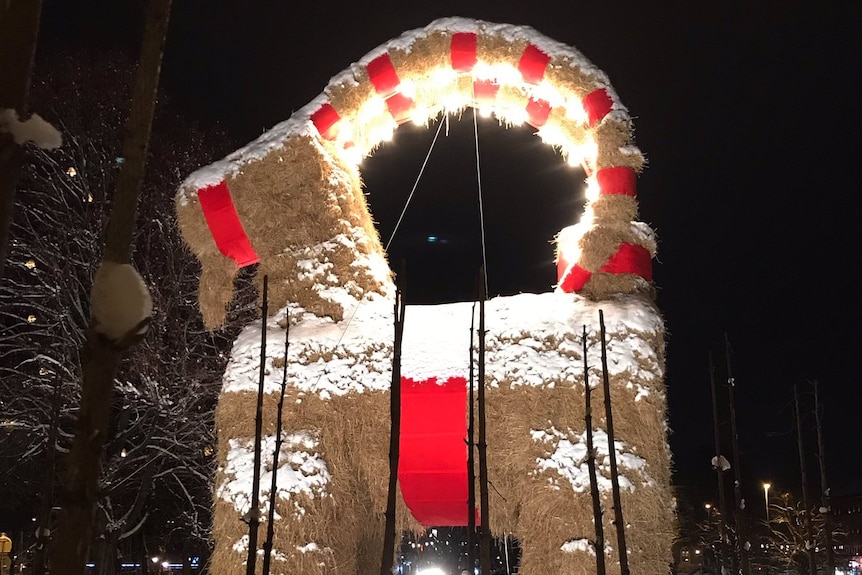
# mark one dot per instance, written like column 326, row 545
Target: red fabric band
column 630, row 259
column 532, row 65
column 575, row 280
column 485, row 91
column 432, row 467
column 224, row 224
column 597, row 104
column 463, row 51
column 383, row 75
column 326, row 120
column 538, row 112
column 617, row 181
column 400, row 107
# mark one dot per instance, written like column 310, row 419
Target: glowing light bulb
column 70, row 171
column 31, row 318
column 123, row 453
column 30, row 264
column 593, row 189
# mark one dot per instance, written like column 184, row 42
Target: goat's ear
column 216, row 288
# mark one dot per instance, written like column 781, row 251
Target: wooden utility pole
column 806, row 502
column 19, row 30
column 738, row 513
column 101, row 356
column 484, row 528
column 471, row 449
column 619, row 522
column 719, row 472
column 273, row 488
column 599, row 544
column 824, row 486
column 253, row 516
column 394, row 425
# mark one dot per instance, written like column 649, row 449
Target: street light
column 766, row 487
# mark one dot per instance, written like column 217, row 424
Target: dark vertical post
column 484, row 530
column 591, row 468
column 824, row 486
column 738, row 513
column 471, row 460
column 806, row 502
column 394, row 426
column 619, row 522
column 273, row 488
column 253, row 516
column 719, row 472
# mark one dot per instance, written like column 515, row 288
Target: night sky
column 747, row 113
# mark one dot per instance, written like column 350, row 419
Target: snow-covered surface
column 301, row 471
column 120, row 300
column 300, row 122
column 568, row 459
column 532, row 339
column 34, row 129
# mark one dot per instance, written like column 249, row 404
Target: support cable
column 481, row 207
column 415, row 185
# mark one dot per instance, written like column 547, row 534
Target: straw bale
column 193, row 224
column 348, row 97
column 614, row 208
column 425, row 54
column 215, row 289
column 512, row 97
column 603, row 286
column 294, row 204
column 498, row 50
column 346, row 521
column 563, row 71
column 353, row 433
column 574, row 131
column 600, row 243
column 613, row 137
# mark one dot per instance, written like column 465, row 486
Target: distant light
column 155, row 559
column 432, row 239
column 30, row 264
column 31, row 318
column 123, row 453
column 431, row 571
column 71, row 171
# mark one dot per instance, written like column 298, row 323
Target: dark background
column 746, row 111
